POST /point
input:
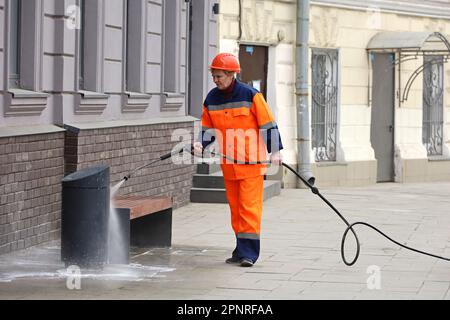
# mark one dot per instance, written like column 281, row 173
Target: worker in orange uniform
column 238, row 117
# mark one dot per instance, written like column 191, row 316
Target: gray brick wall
column 124, row 149
column 31, row 169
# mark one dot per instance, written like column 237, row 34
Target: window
column 128, row 42
column 134, row 98
column 433, row 91
column 90, row 46
column 24, row 66
column 171, row 46
column 15, row 43
column 90, row 58
column 172, row 98
column 324, row 103
column 82, row 45
column 135, row 41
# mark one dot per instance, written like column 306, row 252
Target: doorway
column 382, row 123
column 254, row 61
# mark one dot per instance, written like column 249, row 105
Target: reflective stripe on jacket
column 239, row 124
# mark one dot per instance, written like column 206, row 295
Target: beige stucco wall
column 350, row 31
column 273, row 23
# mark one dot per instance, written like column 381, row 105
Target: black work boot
column 246, row 262
column 233, row 260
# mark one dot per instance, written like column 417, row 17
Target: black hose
column 315, row 190
column 350, row 226
column 161, row 158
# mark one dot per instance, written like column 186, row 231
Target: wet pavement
column 300, row 253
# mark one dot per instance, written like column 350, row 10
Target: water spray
column 310, row 184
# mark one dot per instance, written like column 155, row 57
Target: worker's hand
column 198, row 149
column 276, row 158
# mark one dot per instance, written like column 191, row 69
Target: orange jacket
column 239, row 123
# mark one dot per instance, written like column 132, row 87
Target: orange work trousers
column 245, row 198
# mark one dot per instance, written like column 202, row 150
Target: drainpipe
column 301, row 92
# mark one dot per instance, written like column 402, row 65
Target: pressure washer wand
column 315, row 190
column 161, row 158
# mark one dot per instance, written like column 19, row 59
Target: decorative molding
column 135, row 102
column 257, row 22
column 19, row 102
column 324, row 28
column 412, row 7
column 434, row 25
column 76, row 127
column 88, row 102
column 15, row 131
column 172, row 101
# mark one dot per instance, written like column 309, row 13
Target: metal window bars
column 324, row 103
column 433, row 89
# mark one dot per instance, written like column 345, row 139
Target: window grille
column 324, row 103
column 433, row 89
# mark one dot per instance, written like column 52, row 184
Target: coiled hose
column 315, row 190
column 350, row 226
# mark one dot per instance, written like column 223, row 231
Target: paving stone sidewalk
column 300, row 256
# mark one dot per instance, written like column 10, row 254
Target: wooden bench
column 143, row 222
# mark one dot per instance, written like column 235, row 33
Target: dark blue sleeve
column 206, row 139
column 272, row 138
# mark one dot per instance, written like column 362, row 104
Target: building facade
column 379, row 84
column 87, row 82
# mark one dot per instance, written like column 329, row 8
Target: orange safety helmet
column 227, row 62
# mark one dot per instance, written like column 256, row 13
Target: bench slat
column 140, row 205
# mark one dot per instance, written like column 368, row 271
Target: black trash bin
column 84, row 217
